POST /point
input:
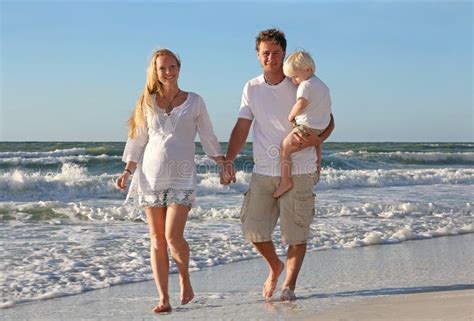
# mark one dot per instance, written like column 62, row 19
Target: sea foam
column 74, row 182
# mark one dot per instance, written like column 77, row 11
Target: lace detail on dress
column 168, row 122
column 162, row 198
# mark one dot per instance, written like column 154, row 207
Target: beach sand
column 433, row 306
column 428, row 279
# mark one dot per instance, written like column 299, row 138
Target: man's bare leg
column 275, row 266
column 294, row 262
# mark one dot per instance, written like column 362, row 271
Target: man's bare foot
column 187, row 293
column 162, row 308
column 282, row 188
column 287, row 294
column 272, row 281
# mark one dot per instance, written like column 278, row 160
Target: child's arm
column 298, row 108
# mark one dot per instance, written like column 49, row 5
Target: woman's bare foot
column 187, row 293
column 162, row 307
column 272, row 281
column 283, row 187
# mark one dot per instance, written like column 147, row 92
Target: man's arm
column 327, row 132
column 313, row 139
column 236, row 142
column 237, row 138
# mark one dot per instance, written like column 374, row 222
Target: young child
column 311, row 112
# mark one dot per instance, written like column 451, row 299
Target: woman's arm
column 121, row 182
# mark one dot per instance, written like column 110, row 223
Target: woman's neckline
column 163, row 110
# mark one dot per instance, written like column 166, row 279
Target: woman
column 160, row 153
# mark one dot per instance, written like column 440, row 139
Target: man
column 267, row 101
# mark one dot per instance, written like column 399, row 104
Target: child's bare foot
column 272, row 281
column 282, row 188
column 162, row 308
column 187, row 293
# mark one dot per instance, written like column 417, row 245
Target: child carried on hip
column 311, row 112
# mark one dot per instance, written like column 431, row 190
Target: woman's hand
column 227, row 173
column 122, row 181
column 226, row 170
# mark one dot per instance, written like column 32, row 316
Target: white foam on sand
column 58, row 248
column 328, row 279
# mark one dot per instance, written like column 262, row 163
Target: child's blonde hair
column 297, row 61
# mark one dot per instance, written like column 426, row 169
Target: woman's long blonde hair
column 145, row 100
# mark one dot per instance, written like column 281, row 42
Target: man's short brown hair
column 272, row 35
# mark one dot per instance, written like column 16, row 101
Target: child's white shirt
column 317, row 113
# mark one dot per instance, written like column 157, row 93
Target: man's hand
column 308, row 139
column 227, row 173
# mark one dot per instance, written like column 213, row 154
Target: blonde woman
column 160, row 154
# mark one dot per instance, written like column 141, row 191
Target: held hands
column 121, row 182
column 227, row 172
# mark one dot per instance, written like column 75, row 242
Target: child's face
column 301, row 75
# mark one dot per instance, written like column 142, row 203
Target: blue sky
column 398, row 71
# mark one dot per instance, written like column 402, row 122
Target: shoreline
column 332, row 284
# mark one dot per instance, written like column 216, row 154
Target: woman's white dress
column 164, row 153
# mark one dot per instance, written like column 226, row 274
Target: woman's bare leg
column 159, row 255
column 176, row 217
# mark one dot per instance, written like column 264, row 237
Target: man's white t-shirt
column 269, row 106
column 317, row 113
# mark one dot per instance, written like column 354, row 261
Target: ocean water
column 64, row 228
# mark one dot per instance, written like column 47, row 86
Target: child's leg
column 319, row 152
column 287, row 147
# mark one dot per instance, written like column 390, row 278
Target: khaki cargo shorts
column 260, row 210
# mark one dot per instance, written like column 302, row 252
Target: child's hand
column 291, row 119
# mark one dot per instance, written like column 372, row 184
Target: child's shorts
column 299, row 128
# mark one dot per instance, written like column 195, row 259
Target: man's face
column 270, row 55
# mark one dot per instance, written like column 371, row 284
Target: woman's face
column 167, row 70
